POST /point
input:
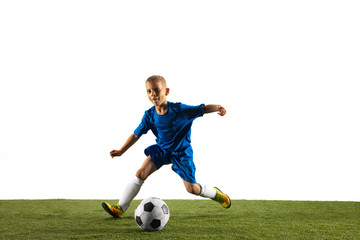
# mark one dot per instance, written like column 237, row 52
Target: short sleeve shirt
column 173, row 129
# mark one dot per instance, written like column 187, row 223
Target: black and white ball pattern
column 152, row 214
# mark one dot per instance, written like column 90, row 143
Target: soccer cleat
column 222, row 198
column 113, row 209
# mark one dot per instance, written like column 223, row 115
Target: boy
column 171, row 124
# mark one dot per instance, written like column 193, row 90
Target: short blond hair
column 157, row 78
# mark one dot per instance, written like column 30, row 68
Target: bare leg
column 192, row 188
column 147, row 168
column 133, row 188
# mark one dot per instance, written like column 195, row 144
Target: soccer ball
column 152, row 214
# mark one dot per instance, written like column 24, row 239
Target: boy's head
column 157, row 78
column 157, row 90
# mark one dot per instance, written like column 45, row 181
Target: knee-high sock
column 130, row 192
column 207, row 192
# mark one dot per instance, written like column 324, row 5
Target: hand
column 115, row 153
column 222, row 111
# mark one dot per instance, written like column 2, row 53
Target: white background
column 72, row 89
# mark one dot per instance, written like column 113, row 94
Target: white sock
column 130, row 192
column 207, row 192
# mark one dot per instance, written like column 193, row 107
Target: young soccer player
column 171, row 124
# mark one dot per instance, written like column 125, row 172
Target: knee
column 141, row 174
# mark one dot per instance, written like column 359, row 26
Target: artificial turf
column 189, row 219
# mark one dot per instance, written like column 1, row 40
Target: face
column 157, row 92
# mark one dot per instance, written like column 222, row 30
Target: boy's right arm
column 129, row 142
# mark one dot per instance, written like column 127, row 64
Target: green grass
column 189, row 219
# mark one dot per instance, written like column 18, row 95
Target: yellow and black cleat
column 222, row 198
column 113, row 209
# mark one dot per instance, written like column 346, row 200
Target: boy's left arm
column 214, row 108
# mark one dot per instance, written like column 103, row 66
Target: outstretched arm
column 129, row 142
column 214, row 108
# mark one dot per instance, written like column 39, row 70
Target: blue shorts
column 182, row 162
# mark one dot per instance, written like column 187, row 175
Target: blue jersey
column 173, row 129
